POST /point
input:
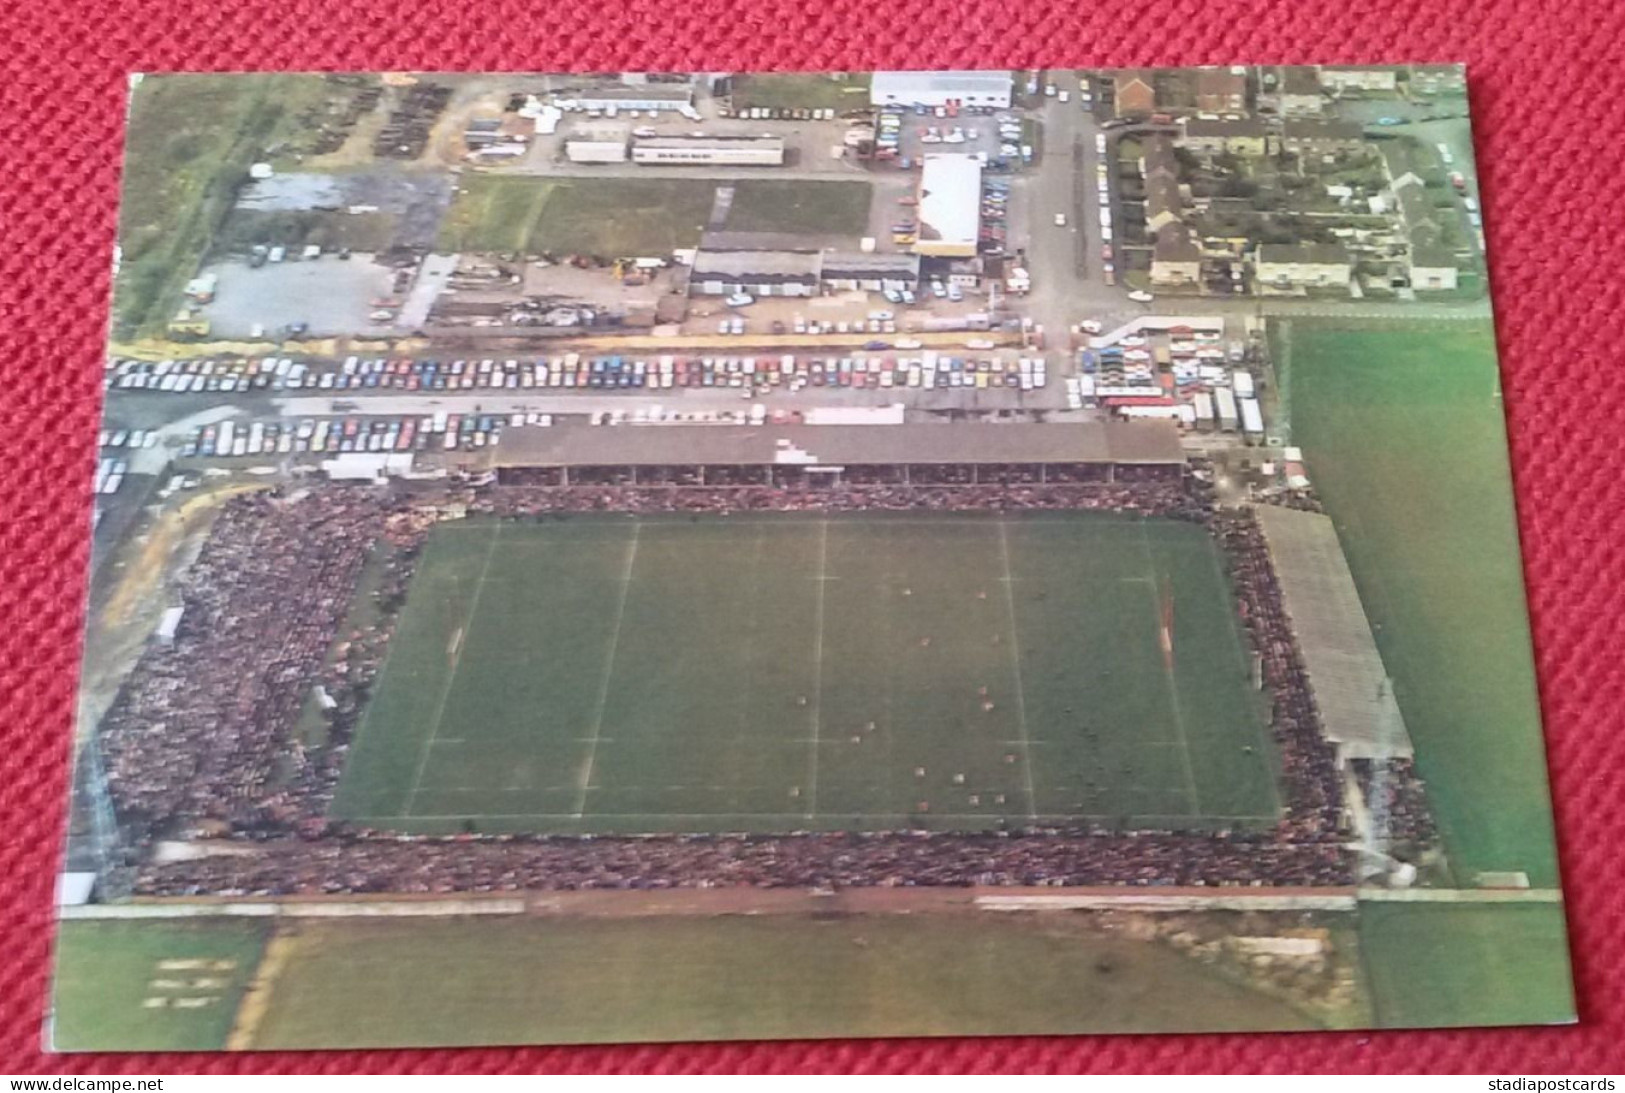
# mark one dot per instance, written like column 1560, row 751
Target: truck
column 1203, row 404
column 1242, row 381
column 224, row 438
column 1225, row 401
column 1252, row 420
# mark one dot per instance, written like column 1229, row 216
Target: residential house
column 1297, row 92
column 1315, row 137
column 1302, row 265
column 1416, row 214
column 1433, row 268
column 1343, row 78
column 1430, row 80
column 1134, row 92
column 1244, row 137
column 1406, row 159
column 1221, row 90
column 1157, row 157
column 1164, row 204
column 1176, row 259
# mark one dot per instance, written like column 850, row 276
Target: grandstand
column 834, row 455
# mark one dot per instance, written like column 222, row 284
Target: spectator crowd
column 204, row 738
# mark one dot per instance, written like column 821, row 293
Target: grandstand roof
column 1148, row 442
column 1345, row 669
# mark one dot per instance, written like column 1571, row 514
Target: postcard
column 647, row 557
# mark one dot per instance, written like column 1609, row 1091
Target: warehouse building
column 701, row 151
column 950, row 205
column 597, row 144
column 966, row 88
column 758, row 273
column 646, row 97
column 847, row 271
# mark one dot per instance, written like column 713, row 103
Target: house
column 1344, row 78
column 1244, row 137
column 1429, row 80
column 1314, row 137
column 1416, row 214
column 1308, row 265
column 1134, row 91
column 1221, row 90
column 1157, row 158
column 1164, row 204
column 1406, row 159
column 1297, row 92
column 1433, row 268
column 1176, row 259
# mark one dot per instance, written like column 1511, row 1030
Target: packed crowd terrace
column 201, row 741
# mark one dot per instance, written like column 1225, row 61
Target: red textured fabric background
column 1550, row 119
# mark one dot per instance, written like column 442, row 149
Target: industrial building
column 950, row 205
column 725, row 151
column 758, row 273
column 845, row 271
column 597, row 144
column 967, row 88
column 646, row 97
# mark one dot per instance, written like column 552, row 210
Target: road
column 1059, row 297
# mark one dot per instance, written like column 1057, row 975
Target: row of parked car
column 438, row 432
column 567, row 371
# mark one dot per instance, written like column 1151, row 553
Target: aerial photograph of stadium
column 711, row 556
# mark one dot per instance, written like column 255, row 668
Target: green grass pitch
column 617, row 675
column 145, row 985
column 1403, row 430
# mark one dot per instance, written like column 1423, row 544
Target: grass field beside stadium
column 582, row 980
column 1405, row 440
column 613, row 675
column 800, row 205
column 611, row 217
column 1483, row 964
column 145, row 985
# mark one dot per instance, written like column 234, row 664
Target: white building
column 965, row 88
column 950, row 206
column 730, row 151
column 1318, row 265
column 595, row 151
column 647, row 97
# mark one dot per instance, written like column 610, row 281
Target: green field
column 609, row 217
column 1438, row 966
column 613, row 674
column 117, row 987
column 822, row 208
column 802, row 90
column 1403, row 432
column 189, row 141
column 526, row 980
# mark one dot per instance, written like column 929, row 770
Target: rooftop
column 757, row 263
column 1176, row 243
column 1147, row 442
column 1345, row 669
column 721, row 141
column 898, row 86
column 1203, row 127
column 1318, row 254
column 950, row 199
column 1433, row 258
